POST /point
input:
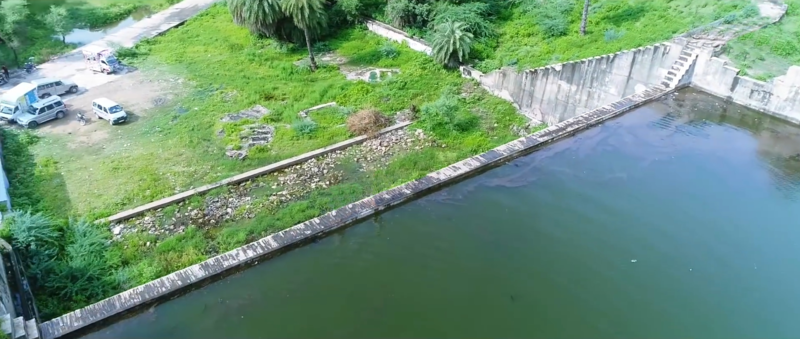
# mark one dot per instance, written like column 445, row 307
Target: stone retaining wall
column 331, row 221
column 779, row 97
column 559, row 92
column 398, row 36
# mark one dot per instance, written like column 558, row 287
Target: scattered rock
column 288, row 185
column 255, row 113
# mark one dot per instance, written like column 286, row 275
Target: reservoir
column 680, row 219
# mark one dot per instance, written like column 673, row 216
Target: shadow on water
column 778, row 141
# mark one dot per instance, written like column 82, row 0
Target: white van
column 16, row 101
column 46, row 87
column 106, row 109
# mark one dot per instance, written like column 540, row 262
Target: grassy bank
column 769, row 52
column 613, row 25
column 175, row 146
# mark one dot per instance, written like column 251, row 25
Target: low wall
column 558, row 92
column 779, row 97
column 398, row 36
column 172, row 283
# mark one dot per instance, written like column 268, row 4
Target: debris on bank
column 243, row 201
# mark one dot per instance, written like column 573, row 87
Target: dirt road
column 71, row 66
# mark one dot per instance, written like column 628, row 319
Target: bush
column 472, row 15
column 554, row 27
column 388, row 50
column 751, row 11
column 613, row 34
column 367, row 122
column 304, row 127
column 730, row 18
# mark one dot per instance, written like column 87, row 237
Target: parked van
column 46, row 87
column 16, row 101
column 42, row 111
column 106, row 109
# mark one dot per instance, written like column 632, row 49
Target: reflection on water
column 677, row 220
column 85, row 36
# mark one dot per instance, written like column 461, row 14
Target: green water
column 678, row 220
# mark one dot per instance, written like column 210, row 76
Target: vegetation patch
column 177, row 145
column 769, row 52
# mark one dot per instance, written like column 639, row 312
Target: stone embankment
column 244, row 200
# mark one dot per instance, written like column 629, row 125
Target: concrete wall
column 399, row 36
column 558, row 92
column 167, row 285
column 779, row 97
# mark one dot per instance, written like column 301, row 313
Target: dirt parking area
column 136, row 92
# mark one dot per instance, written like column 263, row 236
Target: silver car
column 46, row 87
column 42, row 111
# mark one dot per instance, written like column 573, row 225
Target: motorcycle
column 81, row 119
column 30, row 66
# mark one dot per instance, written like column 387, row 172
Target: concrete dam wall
column 779, row 97
column 559, row 92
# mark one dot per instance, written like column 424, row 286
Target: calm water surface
column 680, row 219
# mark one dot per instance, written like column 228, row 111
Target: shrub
column 36, row 238
column 554, row 27
column 730, row 18
column 472, row 15
column 304, row 127
column 388, row 50
column 367, row 122
column 552, row 16
column 612, row 35
column 751, row 11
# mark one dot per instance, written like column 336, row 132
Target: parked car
column 47, row 87
column 106, row 109
column 42, row 111
column 16, row 101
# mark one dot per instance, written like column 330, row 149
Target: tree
column 585, row 17
column 12, row 13
column 260, row 16
column 308, row 15
column 57, row 20
column 451, row 43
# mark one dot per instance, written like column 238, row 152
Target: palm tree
column 451, row 43
column 585, row 17
column 308, row 15
column 260, row 16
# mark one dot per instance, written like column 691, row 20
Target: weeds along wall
column 558, row 92
column 779, row 97
column 398, row 36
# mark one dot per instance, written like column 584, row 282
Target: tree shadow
column 34, row 185
column 627, row 14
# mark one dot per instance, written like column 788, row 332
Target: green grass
column 769, row 52
column 168, row 151
column 613, row 25
column 177, row 150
